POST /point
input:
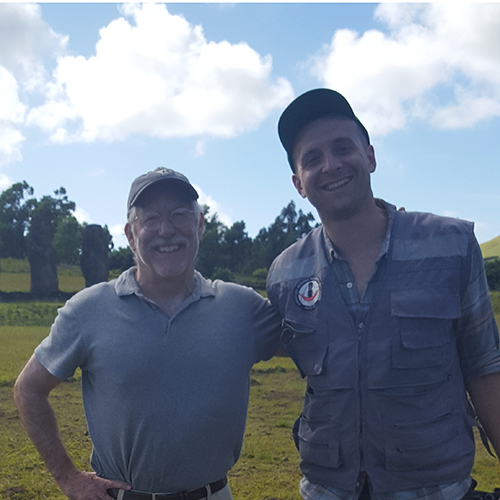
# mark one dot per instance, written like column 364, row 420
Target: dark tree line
column 229, row 251
column 48, row 225
column 46, row 232
column 21, row 216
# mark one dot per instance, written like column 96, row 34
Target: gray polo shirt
column 165, row 398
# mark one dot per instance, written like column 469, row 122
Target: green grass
column 268, row 467
column 15, row 276
column 267, row 470
column 17, row 282
column 15, row 266
column 28, row 313
column 491, row 248
column 14, row 282
column 17, row 344
column 269, row 463
column 23, row 475
column 22, row 266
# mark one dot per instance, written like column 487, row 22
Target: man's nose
column 166, row 227
column 331, row 162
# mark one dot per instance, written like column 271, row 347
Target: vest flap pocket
column 423, row 445
column 306, row 348
column 439, row 302
column 424, row 319
column 319, row 443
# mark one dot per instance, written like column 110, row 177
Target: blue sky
column 93, row 95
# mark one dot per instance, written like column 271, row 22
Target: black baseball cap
column 160, row 174
column 310, row 106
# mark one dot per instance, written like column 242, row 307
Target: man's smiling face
column 167, row 252
column 333, row 163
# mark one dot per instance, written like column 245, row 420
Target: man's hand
column 88, row 486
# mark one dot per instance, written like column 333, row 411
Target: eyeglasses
column 179, row 218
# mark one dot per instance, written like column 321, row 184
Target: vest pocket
column 306, row 348
column 424, row 445
column 312, row 445
column 424, row 321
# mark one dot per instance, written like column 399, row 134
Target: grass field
column 267, row 470
column 12, row 282
column 491, row 248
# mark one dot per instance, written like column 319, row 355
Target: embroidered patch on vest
column 307, row 293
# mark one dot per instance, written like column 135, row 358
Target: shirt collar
column 331, row 252
column 126, row 284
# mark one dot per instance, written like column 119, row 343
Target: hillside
column 491, row 248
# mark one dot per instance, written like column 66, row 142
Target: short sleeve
column 266, row 327
column 63, row 351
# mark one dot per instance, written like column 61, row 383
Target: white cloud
column 118, row 233
column 82, row 216
column 153, row 73
column 437, row 62
column 12, row 113
column 5, row 182
column 24, row 41
column 215, row 207
column 200, row 147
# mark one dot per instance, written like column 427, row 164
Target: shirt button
column 349, row 285
column 361, row 325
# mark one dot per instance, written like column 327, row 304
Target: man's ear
column 370, row 152
column 201, row 225
column 130, row 236
column 298, row 185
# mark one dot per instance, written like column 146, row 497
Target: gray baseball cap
column 310, row 106
column 160, row 174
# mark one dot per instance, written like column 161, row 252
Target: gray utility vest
column 392, row 399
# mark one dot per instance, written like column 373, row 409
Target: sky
column 93, row 95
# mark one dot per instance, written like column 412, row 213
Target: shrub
column 492, row 268
column 221, row 273
column 260, row 274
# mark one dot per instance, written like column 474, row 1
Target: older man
column 165, row 357
column 388, row 315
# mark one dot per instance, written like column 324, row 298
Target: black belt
column 183, row 495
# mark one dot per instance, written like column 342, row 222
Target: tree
column 121, row 258
column 237, row 246
column 45, row 216
column 211, row 253
column 41, row 252
column 14, row 220
column 68, row 240
column 286, row 229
